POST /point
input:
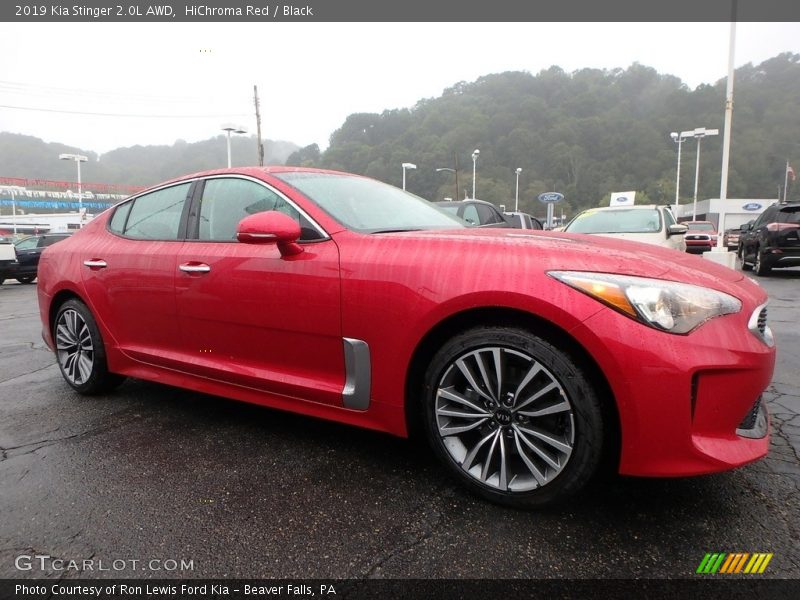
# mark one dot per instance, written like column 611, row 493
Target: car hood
column 581, row 252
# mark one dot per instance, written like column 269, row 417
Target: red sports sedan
column 525, row 357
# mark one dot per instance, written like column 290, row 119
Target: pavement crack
column 28, row 373
column 39, row 444
column 431, row 524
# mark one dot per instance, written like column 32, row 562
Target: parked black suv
column 29, row 250
column 773, row 240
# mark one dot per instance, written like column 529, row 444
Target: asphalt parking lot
column 151, row 477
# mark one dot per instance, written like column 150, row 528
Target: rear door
column 129, row 274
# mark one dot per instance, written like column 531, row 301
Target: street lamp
column 78, row 158
column 454, row 172
column 235, row 129
column 13, row 189
column 678, row 139
column 475, row 154
column 699, row 134
column 407, row 166
column 516, row 196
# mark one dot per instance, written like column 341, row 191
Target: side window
column 157, row 215
column 225, row 202
column 27, row 244
column 471, row 215
column 668, row 218
column 49, row 240
column 766, row 217
column 487, row 215
column 119, row 217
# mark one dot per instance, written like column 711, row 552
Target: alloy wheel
column 504, row 419
column 74, row 347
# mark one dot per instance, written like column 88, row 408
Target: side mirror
column 746, row 227
column 677, row 230
column 271, row 227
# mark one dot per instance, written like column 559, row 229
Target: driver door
column 248, row 315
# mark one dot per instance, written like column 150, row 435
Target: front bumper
column 681, row 399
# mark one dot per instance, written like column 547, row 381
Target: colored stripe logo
column 736, row 562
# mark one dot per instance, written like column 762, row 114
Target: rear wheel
column 26, row 279
column 80, row 351
column 760, row 267
column 513, row 417
column 746, row 266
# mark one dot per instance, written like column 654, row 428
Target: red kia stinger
column 526, row 358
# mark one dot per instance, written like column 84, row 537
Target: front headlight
column 665, row 305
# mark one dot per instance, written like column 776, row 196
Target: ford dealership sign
column 751, row 206
column 549, row 197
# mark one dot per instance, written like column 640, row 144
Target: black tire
column 26, row 279
column 80, row 351
column 759, row 267
column 746, row 266
column 527, row 471
column 2, row 279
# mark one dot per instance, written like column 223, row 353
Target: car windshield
column 636, row 220
column 700, row 226
column 369, row 206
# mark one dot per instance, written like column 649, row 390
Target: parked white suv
column 8, row 260
column 650, row 224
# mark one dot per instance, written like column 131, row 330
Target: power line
column 101, row 114
column 32, row 89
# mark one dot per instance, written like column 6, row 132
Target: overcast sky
column 184, row 80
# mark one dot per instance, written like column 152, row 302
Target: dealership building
column 725, row 214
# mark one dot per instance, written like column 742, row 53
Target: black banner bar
column 707, row 587
column 268, row 11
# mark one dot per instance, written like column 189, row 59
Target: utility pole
column 258, row 128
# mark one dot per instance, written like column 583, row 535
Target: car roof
column 465, row 201
column 256, row 172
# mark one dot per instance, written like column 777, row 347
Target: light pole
column 475, row 154
column 516, row 195
column 78, row 158
column 699, row 134
column 235, row 129
column 678, row 138
column 13, row 189
column 454, row 172
column 407, row 166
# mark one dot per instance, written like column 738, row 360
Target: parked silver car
column 650, row 224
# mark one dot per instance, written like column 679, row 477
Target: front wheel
column 80, row 351
column 26, row 279
column 513, row 417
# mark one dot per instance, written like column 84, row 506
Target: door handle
column 194, row 268
column 95, row 263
